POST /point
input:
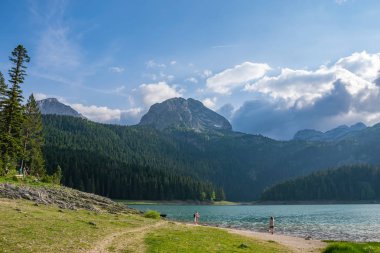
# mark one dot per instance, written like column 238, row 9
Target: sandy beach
column 295, row 244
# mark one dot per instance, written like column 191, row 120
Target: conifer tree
column 3, row 90
column 32, row 139
column 13, row 109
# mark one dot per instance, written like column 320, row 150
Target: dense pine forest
column 348, row 183
column 242, row 165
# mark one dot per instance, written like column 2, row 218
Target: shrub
column 151, row 214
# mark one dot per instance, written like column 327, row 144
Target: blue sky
column 259, row 61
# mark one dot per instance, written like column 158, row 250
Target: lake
column 356, row 222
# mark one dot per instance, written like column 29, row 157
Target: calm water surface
column 355, row 222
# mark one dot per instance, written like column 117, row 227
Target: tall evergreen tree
column 32, row 139
column 3, row 90
column 13, row 109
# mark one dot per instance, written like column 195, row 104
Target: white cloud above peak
column 229, row 79
column 157, row 92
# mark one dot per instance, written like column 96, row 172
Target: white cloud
column 116, row 69
column 192, row 80
column 362, row 64
column 154, row 64
column 56, row 50
column 210, row 102
column 105, row 114
column 229, row 79
column 173, row 62
column 345, row 92
column 304, row 87
column 39, row 96
column 158, row 92
column 98, row 113
column 206, row 73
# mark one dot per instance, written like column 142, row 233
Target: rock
column 243, row 246
column 92, row 223
column 63, row 197
column 184, row 113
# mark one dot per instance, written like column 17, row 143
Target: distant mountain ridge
column 335, row 134
column 53, row 106
column 184, row 113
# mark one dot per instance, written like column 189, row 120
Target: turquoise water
column 357, row 222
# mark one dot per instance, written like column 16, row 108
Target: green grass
column 351, row 247
column 30, row 181
column 25, row 227
column 193, row 239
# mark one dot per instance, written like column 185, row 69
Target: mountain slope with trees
column 242, row 164
column 347, row 183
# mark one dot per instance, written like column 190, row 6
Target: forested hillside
column 121, row 162
column 242, row 164
column 348, row 183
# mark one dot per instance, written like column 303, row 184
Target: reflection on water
column 325, row 222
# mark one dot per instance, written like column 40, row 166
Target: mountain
column 347, row 183
column 335, row 134
column 53, row 106
column 186, row 114
column 114, row 158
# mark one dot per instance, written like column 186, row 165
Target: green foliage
column 12, row 113
column 120, row 162
column 33, row 139
column 57, row 176
column 21, row 136
column 345, row 183
column 344, row 247
column 151, row 214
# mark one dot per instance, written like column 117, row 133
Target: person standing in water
column 271, row 225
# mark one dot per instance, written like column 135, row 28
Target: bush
column 151, row 214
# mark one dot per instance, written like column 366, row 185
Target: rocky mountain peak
column 53, row 106
column 184, row 113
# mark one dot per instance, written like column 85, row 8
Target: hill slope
column 242, row 164
column 346, row 183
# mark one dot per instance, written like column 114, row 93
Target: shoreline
column 253, row 203
column 294, row 243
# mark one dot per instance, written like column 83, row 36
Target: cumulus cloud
column 210, row 102
column 108, row 115
column 158, row 92
column 229, row 79
column 344, row 93
column 116, row 69
column 39, row 96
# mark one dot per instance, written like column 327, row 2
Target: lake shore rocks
column 63, row 197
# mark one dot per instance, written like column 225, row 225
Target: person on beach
column 196, row 217
column 271, row 225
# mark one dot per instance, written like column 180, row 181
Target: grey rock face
column 184, row 113
column 53, row 106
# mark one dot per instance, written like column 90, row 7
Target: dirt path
column 131, row 239
column 296, row 244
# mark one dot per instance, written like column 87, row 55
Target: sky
column 269, row 67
